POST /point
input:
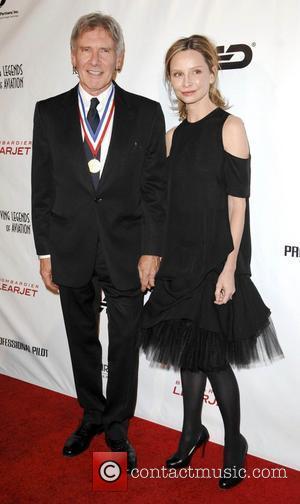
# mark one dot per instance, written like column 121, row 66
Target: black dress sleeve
column 237, row 175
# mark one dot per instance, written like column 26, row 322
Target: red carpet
column 35, row 423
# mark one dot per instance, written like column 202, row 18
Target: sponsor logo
column 103, row 304
column 208, row 396
column 9, row 13
column 16, row 221
column 20, row 288
column 292, row 251
column 19, row 345
column 15, row 147
column 235, row 56
column 104, row 370
column 102, row 299
column 11, row 76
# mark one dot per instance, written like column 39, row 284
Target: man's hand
column 46, row 274
column 148, row 267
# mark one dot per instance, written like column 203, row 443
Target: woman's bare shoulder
column 234, row 135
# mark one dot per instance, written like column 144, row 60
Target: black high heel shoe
column 177, row 462
column 232, row 476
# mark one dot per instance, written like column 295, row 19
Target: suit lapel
column 122, row 130
column 73, row 138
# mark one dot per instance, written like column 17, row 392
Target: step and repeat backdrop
column 257, row 43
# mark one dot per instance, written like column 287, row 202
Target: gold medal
column 94, row 165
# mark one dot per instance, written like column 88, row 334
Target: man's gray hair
column 99, row 20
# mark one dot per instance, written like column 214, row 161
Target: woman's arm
column 235, row 142
column 169, row 136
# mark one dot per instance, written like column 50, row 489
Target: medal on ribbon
column 94, row 165
column 94, row 140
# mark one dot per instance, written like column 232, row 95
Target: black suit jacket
column 128, row 210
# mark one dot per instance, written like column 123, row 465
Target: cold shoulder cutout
column 237, row 175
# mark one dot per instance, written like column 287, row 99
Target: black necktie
column 93, row 116
column 93, row 119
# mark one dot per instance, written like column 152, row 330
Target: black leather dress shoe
column 123, row 445
column 81, row 439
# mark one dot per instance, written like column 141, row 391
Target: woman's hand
column 148, row 267
column 225, row 287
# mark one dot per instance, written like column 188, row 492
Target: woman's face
column 190, row 76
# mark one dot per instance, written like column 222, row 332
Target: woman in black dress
column 205, row 314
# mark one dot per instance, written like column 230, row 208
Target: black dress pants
column 82, row 322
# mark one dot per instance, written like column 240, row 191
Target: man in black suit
column 98, row 189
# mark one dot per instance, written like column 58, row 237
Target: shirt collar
column 102, row 97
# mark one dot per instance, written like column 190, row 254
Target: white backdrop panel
column 35, row 64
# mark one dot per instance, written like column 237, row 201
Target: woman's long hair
column 209, row 52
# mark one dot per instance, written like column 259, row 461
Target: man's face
column 95, row 58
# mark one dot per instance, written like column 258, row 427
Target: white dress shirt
column 86, row 99
column 103, row 97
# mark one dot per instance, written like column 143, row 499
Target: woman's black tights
column 226, row 391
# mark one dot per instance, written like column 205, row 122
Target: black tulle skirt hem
column 182, row 344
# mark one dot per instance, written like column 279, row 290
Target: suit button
column 98, row 199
